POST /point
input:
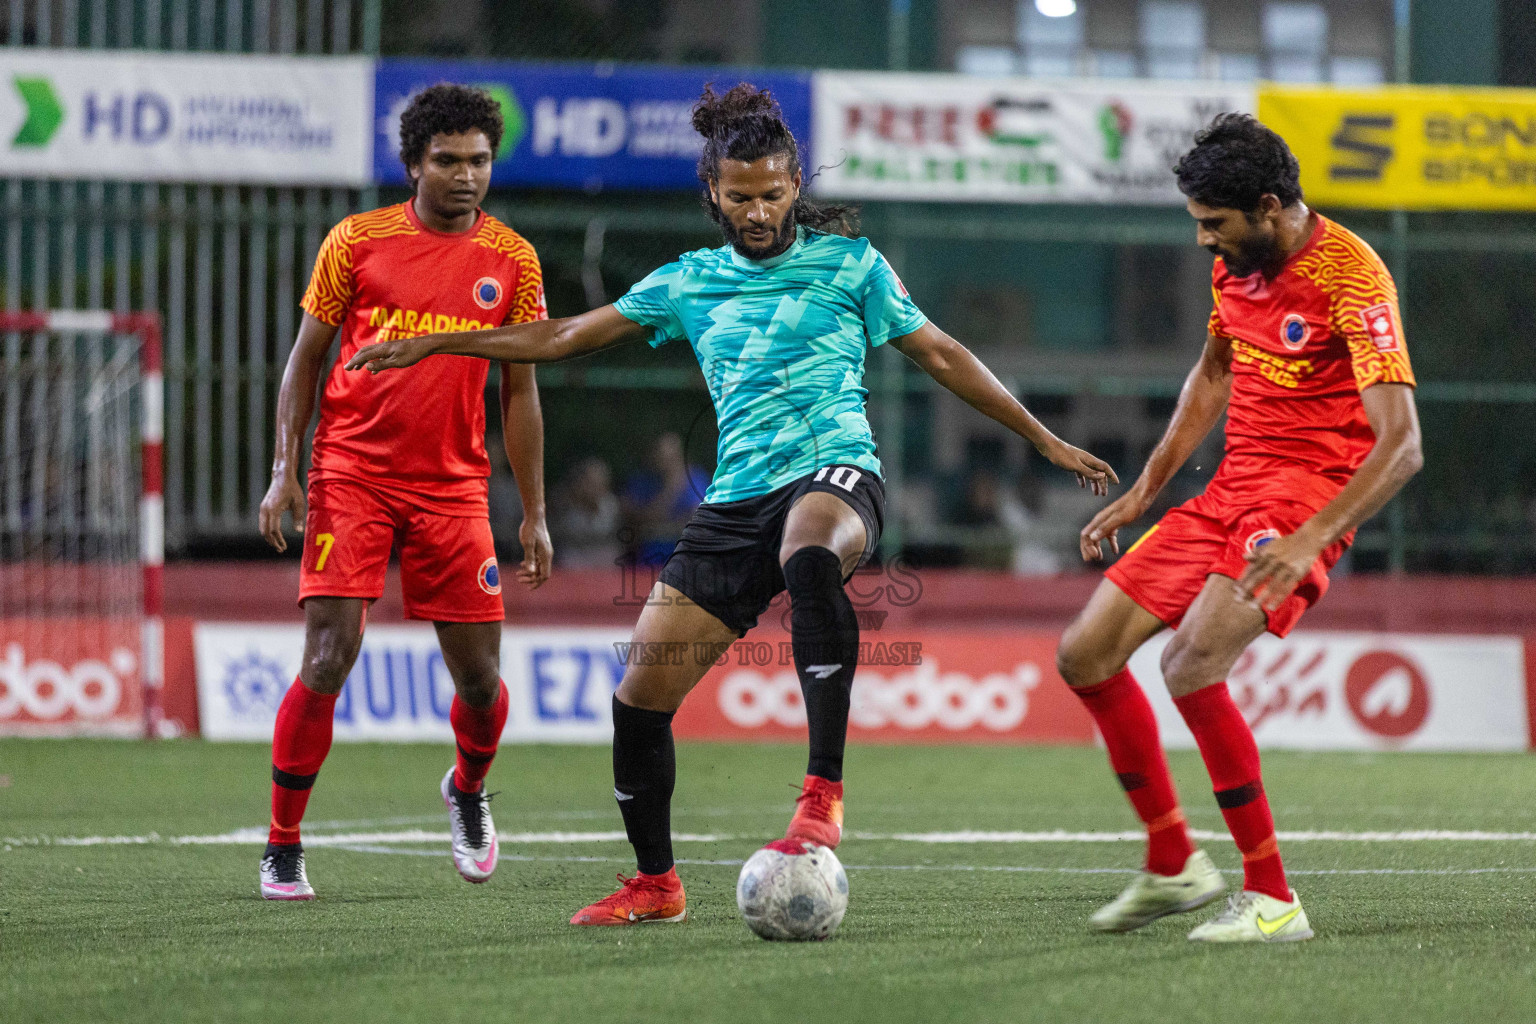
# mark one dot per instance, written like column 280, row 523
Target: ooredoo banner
column 935, row 687
column 1367, row 691
column 67, row 676
column 588, row 127
column 560, row 682
column 185, row 117
column 967, row 138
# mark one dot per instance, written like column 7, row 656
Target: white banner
column 560, row 682
column 1366, row 691
column 966, row 138
column 196, row 117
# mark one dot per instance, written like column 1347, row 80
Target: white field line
column 1004, row 868
column 258, row 836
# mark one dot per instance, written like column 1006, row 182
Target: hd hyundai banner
column 185, row 117
column 1312, row 691
column 967, row 138
column 587, row 127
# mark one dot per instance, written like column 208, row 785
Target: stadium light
column 1056, row 8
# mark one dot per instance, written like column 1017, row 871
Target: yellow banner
column 1408, row 147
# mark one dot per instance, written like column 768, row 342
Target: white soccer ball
column 793, row 890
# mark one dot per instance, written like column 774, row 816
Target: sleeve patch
column 1381, row 327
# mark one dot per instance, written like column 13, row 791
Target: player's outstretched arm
column 295, row 407
column 1275, row 568
column 537, row 341
column 958, row 370
column 1202, row 400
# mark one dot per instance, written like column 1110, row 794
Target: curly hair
column 447, row 109
column 1236, row 161
column 745, row 123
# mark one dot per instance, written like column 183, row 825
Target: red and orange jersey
column 1304, row 346
column 383, row 275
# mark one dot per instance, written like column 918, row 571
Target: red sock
column 1129, row 728
column 477, row 732
column 1232, row 758
column 300, row 741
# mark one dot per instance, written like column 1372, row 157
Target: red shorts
column 1164, row 570
column 448, row 567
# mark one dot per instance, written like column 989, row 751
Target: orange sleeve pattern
column 528, row 294
column 1362, row 307
column 1215, row 325
column 331, row 286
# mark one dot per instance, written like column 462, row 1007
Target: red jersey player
column 1306, row 356
column 400, row 461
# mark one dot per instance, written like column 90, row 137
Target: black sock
column 824, row 631
column 644, row 772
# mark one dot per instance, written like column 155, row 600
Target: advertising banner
column 185, row 117
column 1366, row 691
column 1412, row 148
column 74, row 677
column 560, row 683
column 965, row 138
column 933, row 687
column 589, row 127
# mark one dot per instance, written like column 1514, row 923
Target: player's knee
column 1076, row 660
column 478, row 682
column 1186, row 666
column 328, row 659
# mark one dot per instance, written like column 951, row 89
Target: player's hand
column 284, row 495
column 1090, row 470
column 1127, row 508
column 1275, row 567
column 538, row 553
column 391, row 355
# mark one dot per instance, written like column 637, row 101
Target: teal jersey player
column 780, row 319
column 781, row 343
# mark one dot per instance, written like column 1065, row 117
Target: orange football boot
column 644, row 899
column 818, row 813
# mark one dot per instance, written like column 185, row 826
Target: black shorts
column 727, row 561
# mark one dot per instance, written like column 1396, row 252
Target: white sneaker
column 1255, row 917
column 474, row 834
column 1151, row 896
column 282, row 874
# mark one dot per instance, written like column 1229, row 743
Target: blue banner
column 589, row 127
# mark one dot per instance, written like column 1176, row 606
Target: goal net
column 81, row 524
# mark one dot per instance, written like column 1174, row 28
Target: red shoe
column 818, row 813
column 644, row 899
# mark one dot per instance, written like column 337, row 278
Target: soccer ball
column 792, row 889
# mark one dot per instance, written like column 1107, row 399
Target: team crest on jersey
column 1258, row 538
column 490, row 577
column 1294, row 331
column 1378, row 323
column 487, row 293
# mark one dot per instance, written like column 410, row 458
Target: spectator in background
column 658, row 502
column 584, row 520
column 989, row 504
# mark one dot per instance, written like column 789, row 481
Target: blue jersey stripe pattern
column 781, row 343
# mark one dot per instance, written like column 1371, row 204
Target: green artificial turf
column 161, row 930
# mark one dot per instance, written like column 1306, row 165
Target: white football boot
column 1151, row 896
column 474, row 834
column 1255, row 917
column 282, row 874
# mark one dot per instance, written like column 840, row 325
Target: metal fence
column 225, row 264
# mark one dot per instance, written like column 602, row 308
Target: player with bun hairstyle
column 780, row 319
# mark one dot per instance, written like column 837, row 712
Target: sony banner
column 1367, row 691
column 560, row 683
column 968, row 138
column 185, row 117
column 588, row 127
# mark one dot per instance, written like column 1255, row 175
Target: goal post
column 82, row 523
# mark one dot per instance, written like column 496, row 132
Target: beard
column 780, row 237
column 1254, row 253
